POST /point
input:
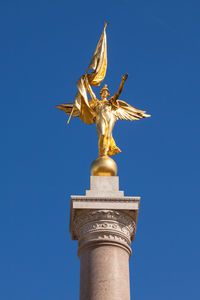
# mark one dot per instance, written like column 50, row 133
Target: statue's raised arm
column 116, row 96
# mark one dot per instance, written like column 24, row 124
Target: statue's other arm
column 116, row 96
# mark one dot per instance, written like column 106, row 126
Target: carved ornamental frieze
column 104, row 226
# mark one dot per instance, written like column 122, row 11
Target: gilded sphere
column 103, row 166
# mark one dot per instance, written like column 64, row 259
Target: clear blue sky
column 45, row 47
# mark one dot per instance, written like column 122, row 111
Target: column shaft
column 104, row 273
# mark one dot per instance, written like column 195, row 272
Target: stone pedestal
column 104, row 222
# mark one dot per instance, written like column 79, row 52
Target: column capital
column 95, row 227
column 104, row 215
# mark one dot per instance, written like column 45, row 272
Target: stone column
column 104, row 223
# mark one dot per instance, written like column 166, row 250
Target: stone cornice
column 106, row 199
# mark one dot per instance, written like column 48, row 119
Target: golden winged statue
column 106, row 111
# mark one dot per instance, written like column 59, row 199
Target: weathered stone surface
column 104, row 273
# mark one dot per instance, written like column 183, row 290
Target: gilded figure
column 105, row 111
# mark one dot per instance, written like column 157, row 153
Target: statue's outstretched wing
column 75, row 109
column 125, row 111
column 67, row 108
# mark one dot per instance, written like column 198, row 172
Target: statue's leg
column 102, row 145
column 101, row 131
column 111, row 124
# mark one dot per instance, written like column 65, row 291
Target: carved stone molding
column 103, row 226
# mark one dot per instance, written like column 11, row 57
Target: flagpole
column 70, row 115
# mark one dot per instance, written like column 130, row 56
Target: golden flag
column 99, row 61
column 99, row 65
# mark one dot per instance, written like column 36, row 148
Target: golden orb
column 103, row 166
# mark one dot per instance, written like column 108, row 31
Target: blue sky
column 45, row 47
